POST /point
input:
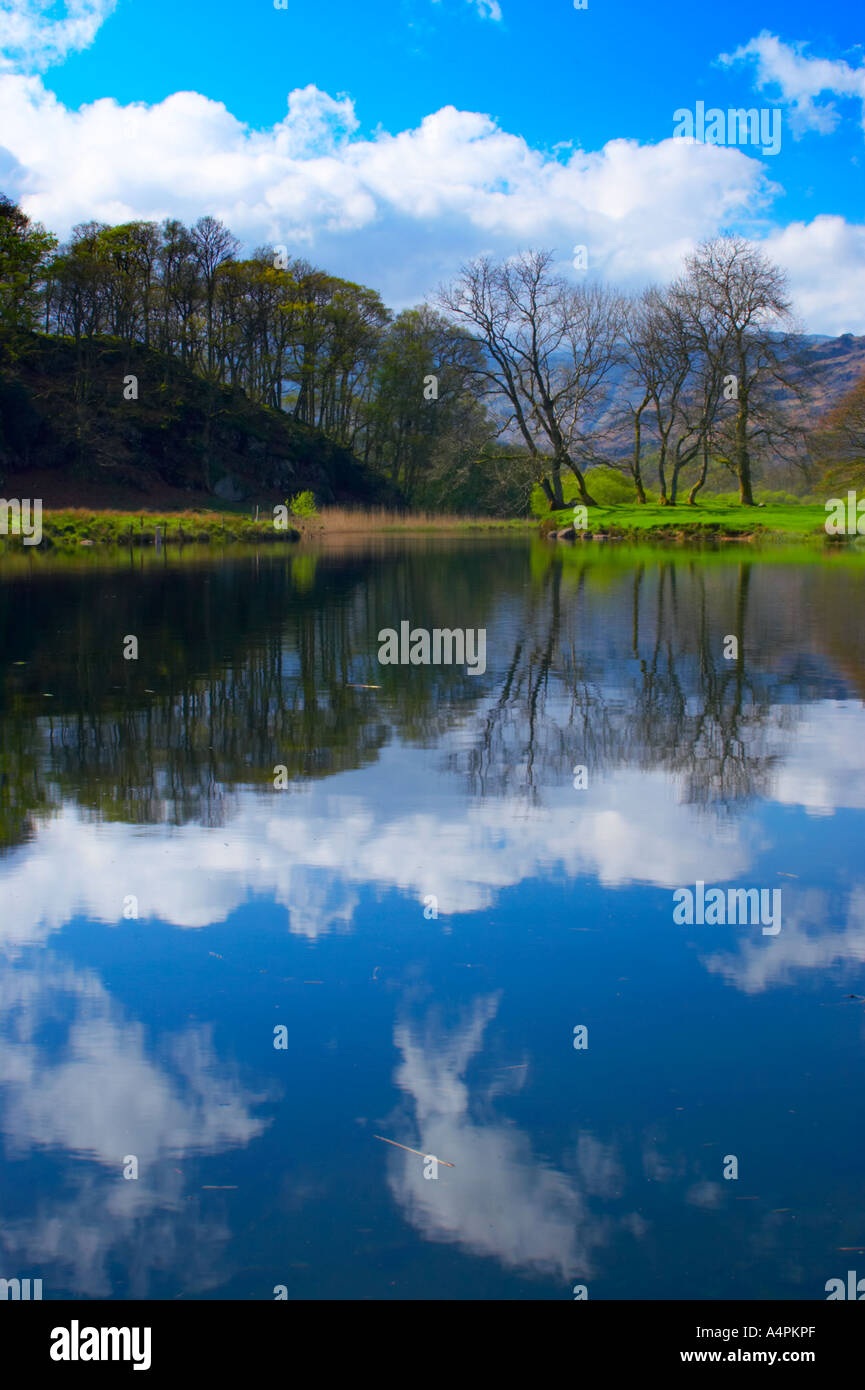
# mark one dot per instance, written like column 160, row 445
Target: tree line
column 512, row 375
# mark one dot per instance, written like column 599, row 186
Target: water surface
column 430, row 906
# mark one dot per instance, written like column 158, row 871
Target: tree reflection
column 595, row 657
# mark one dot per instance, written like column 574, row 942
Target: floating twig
column 443, row 1161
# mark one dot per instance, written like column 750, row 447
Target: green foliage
column 24, row 250
column 608, row 486
column 303, row 569
column 540, row 507
column 65, row 530
column 303, row 504
column 427, row 430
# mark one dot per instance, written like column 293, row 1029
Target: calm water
column 149, row 785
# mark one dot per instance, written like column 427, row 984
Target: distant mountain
column 837, row 364
column 832, row 366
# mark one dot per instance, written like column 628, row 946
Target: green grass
column 72, row 530
column 69, row 529
column 714, row 516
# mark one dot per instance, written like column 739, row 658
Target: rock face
column 569, row 534
column 229, row 489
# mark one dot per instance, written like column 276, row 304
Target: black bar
column 416, row 1343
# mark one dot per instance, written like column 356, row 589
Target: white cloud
column 100, row 1096
column 397, row 211
column 805, row 943
column 825, row 262
column 500, row 1200
column 423, row 836
column 635, row 829
column 103, row 1096
column 817, row 771
column 487, row 9
column 801, row 79
column 32, row 37
column 403, row 211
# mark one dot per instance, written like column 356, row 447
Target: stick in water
column 412, row 1151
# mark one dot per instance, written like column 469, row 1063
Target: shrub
column 303, row 504
column 608, row 487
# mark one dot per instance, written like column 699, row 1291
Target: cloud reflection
column 500, row 1200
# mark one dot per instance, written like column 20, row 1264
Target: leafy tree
column 24, row 250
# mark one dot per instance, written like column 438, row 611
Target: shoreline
column 67, row 530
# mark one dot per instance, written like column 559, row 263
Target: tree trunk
column 636, row 469
column 663, row 500
column 552, row 487
column 585, row 496
column 746, row 496
column 743, row 457
column 674, row 484
column 702, row 478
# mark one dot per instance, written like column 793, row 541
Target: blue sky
column 556, row 131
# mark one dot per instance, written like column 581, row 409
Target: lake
column 271, row 909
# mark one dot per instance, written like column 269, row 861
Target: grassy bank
column 712, row 518
column 71, row 528
column 68, row 529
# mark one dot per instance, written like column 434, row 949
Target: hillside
column 68, row 435
column 830, row 367
column 835, row 365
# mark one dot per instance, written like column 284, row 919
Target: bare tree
column 637, row 395
column 549, row 350
column 740, row 298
